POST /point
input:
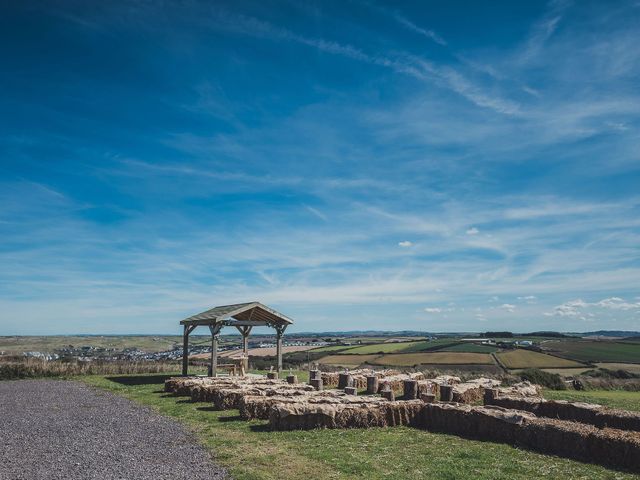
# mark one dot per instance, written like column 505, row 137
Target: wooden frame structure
column 243, row 316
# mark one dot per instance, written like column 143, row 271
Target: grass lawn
column 597, row 351
column 251, row 452
column 520, row 358
column 609, row 398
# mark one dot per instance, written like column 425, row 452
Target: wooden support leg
column 185, row 351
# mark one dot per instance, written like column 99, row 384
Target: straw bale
column 181, row 386
column 473, row 390
column 587, row 413
column 330, row 379
column 304, row 416
column 396, row 381
column 428, row 387
column 388, row 395
column 446, row 380
column 569, row 439
column 372, row 384
column 522, row 389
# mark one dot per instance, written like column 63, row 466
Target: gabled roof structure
column 243, row 316
column 253, row 314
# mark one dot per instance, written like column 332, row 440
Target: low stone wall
column 587, row 413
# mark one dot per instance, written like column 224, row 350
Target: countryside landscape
column 320, row 239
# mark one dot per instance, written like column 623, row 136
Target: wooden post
column 245, row 331
column 410, row 389
column 279, row 333
column 372, row 384
column 388, row 394
column 490, row 394
column 344, row 380
column 446, row 393
column 293, row 379
column 316, row 383
column 215, row 331
column 351, row 390
column 185, row 351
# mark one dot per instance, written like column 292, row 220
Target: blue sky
column 450, row 166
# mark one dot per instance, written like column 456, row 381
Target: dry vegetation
column 17, row 368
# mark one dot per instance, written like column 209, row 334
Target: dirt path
column 67, row 430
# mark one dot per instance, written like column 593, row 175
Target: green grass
column 349, row 361
column 330, row 348
column 251, row 452
column 596, row 351
column 470, row 348
column 609, row 398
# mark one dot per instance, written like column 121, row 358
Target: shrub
column 546, row 379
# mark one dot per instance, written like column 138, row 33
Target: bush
column 546, row 379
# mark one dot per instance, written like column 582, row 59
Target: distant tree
column 497, row 334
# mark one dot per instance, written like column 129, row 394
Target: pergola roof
column 241, row 314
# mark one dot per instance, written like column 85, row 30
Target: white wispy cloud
column 405, row 244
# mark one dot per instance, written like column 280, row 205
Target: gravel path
column 67, row 430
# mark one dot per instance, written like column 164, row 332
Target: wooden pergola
column 243, row 316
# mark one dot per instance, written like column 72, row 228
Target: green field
column 433, row 358
column 252, row 453
column 330, row 348
column 470, row 348
column 609, row 398
column 519, row 358
column 383, row 347
column 596, row 351
column 403, row 347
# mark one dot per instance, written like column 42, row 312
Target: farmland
column 250, row 452
column 434, row 358
column 596, row 351
column 514, row 359
column 347, row 360
column 383, row 347
column 469, row 348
